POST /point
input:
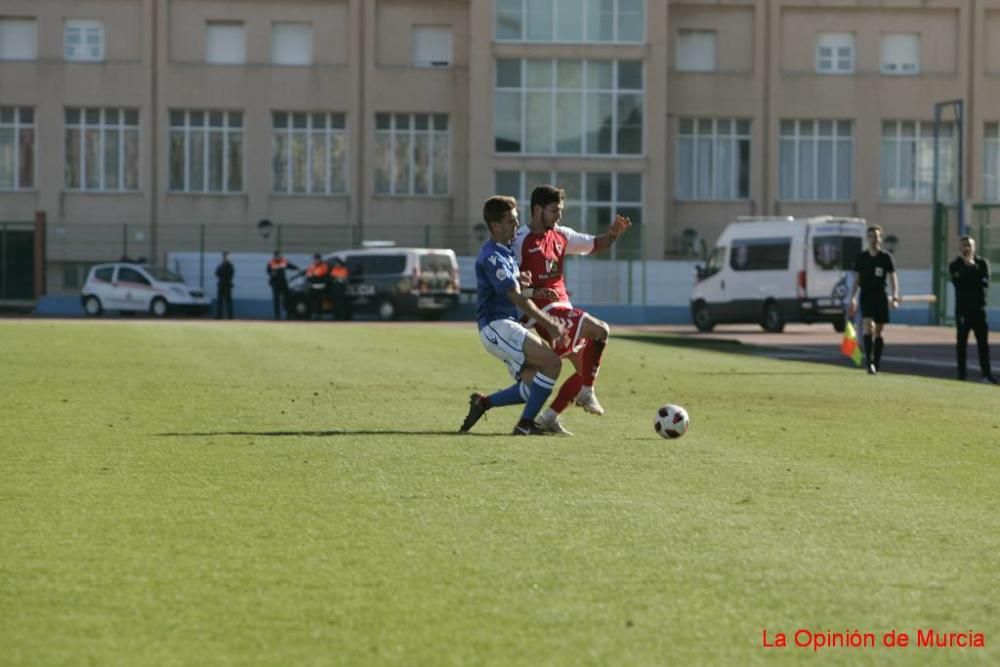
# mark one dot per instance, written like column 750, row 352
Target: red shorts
column 571, row 320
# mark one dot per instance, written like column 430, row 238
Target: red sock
column 567, row 392
column 592, row 354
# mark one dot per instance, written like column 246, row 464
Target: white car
column 123, row 286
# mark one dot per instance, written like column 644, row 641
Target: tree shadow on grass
column 317, row 434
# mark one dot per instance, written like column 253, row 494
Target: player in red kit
column 541, row 248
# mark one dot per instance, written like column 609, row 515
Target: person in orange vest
column 279, row 281
column 341, row 301
column 318, row 275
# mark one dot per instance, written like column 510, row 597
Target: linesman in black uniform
column 970, row 274
column 873, row 268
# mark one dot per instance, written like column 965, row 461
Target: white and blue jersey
column 496, row 272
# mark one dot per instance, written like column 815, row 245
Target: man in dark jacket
column 970, row 274
column 279, row 281
column 224, row 274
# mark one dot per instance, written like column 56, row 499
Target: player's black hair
column 543, row 195
column 496, row 207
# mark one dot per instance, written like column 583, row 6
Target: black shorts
column 875, row 305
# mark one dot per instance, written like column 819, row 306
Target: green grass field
column 193, row 493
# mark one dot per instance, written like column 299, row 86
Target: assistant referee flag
column 849, row 344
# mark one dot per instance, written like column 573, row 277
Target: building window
column 592, row 200
column 570, row 21
column 901, row 54
column 412, row 154
column 206, row 151
column 310, row 153
column 713, row 159
column 291, row 43
column 225, row 43
column 572, row 107
column 83, row 40
column 18, row 39
column 991, row 162
column 102, row 149
column 17, row 148
column 907, row 170
column 431, row 45
column 695, row 51
column 816, row 160
column 835, row 53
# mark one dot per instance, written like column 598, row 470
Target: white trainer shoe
column 550, row 422
column 587, row 400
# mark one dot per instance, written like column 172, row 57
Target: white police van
column 773, row 270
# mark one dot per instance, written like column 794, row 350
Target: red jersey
column 543, row 254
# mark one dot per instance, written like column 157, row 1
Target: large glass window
column 907, row 169
column 225, row 43
column 991, row 162
column 571, row 107
column 412, row 154
column 816, row 160
column 760, row 254
column 592, row 21
column 83, row 40
column 17, row 148
column 713, row 159
column 901, row 54
column 309, row 153
column 291, row 43
column 592, row 200
column 206, row 151
column 695, row 51
column 102, row 149
column 835, row 53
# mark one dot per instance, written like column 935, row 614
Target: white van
column 776, row 270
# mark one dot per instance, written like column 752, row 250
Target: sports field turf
column 193, row 493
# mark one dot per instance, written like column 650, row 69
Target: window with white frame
column 695, row 51
column 572, row 107
column 18, row 39
column 17, row 148
column 816, row 160
column 291, row 43
column 570, row 21
column 431, row 45
column 592, row 200
column 225, row 43
column 713, row 159
column 907, row 165
column 83, row 40
column 991, row 162
column 900, row 54
column 835, row 53
column 102, row 149
column 412, row 153
column 309, row 153
column 206, row 151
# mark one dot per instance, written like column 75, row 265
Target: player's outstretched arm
column 618, row 227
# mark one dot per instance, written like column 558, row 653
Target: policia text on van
column 776, row 270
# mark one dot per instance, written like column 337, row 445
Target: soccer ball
column 671, row 421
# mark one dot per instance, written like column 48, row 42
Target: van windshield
column 834, row 253
column 435, row 264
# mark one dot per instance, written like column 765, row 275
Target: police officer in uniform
column 970, row 274
column 224, row 273
column 873, row 268
column 279, row 281
column 318, row 275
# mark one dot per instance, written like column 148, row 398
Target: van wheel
column 839, row 326
column 774, row 321
column 158, row 307
column 386, row 310
column 300, row 309
column 702, row 318
column 92, row 306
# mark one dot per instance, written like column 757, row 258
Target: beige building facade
column 346, row 120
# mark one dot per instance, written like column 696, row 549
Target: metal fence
column 71, row 249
